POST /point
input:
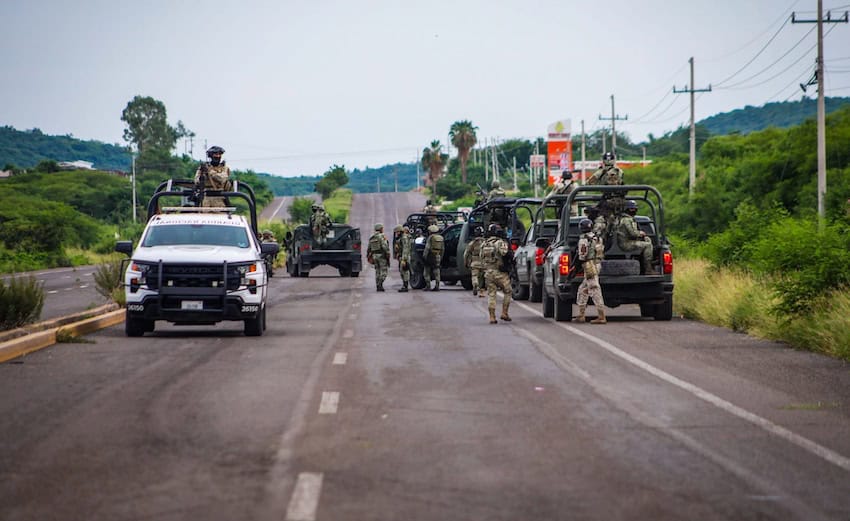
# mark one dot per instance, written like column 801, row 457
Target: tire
column 355, row 273
column 451, row 283
column 647, row 310
column 466, row 282
column 305, row 273
column 620, row 267
column 150, row 325
column 134, row 326
column 548, row 305
column 563, row 311
column 294, row 272
column 256, row 326
column 345, row 272
column 535, row 292
column 417, row 277
column 518, row 291
column 664, row 311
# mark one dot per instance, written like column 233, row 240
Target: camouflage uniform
column 433, row 254
column 564, row 187
column 590, row 253
column 600, row 225
column 495, row 192
column 218, row 178
column 472, row 260
column 320, row 223
column 378, row 255
column 493, row 249
column 402, row 248
column 629, row 239
column 612, row 203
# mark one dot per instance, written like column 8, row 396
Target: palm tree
column 433, row 161
column 462, row 134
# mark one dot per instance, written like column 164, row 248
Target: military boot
column 601, row 318
column 492, row 315
column 380, row 286
column 580, row 317
column 436, row 286
column 403, row 287
column 505, row 316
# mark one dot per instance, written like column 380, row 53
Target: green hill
column 780, row 115
column 360, row 181
column 26, row 148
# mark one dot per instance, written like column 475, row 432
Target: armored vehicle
column 450, row 224
column 340, row 250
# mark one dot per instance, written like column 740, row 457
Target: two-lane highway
column 365, row 405
column 67, row 290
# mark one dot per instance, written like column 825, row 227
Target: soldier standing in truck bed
column 216, row 175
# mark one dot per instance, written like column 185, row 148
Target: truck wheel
column 355, row 273
column 548, row 305
column 417, row 278
column 563, row 310
column 518, row 291
column 134, row 326
column 647, row 310
column 345, row 271
column 255, row 326
column 466, row 282
column 294, row 272
column 535, row 293
column 305, row 273
column 664, row 311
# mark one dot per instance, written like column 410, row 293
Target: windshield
column 205, row 234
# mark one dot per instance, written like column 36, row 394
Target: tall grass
column 743, row 302
column 339, row 204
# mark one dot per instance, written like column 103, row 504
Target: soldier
column 590, row 253
column 378, row 255
column 494, row 249
column 320, row 222
column 216, row 176
column 564, row 186
column 613, row 203
column 607, row 174
column 433, row 255
column 429, row 208
column 268, row 236
column 600, row 225
column 472, row 260
column 630, row 238
column 495, row 190
column 402, row 248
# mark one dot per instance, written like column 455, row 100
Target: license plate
column 192, row 304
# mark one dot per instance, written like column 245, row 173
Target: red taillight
column 538, row 257
column 305, row 247
column 356, row 246
column 514, row 246
column 564, row 264
column 667, row 261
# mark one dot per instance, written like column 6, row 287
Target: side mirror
column 269, row 248
column 125, row 247
column 542, row 243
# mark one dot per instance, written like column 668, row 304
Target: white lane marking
column 358, row 295
column 355, row 305
column 340, row 358
column 352, row 316
column 763, row 423
column 70, row 289
column 305, row 497
column 348, row 333
column 282, row 200
column 330, row 402
column 52, row 291
column 84, row 286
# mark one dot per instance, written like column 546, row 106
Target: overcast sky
column 291, row 87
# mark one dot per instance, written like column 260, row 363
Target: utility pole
column 515, row 187
column 486, row 163
column 134, row 187
column 583, row 158
column 613, row 119
column 821, row 108
column 536, row 152
column 418, row 182
column 395, row 176
column 604, row 139
column 692, row 176
column 643, row 149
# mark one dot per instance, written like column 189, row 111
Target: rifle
column 200, row 185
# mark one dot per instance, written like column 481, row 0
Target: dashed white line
column 340, row 358
column 763, row 423
column 348, row 333
column 352, row 316
column 305, row 497
column 52, row 291
column 355, row 305
column 329, row 403
column 84, row 286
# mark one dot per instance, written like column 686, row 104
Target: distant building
column 76, row 165
column 5, row 173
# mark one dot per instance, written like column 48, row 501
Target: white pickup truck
column 196, row 266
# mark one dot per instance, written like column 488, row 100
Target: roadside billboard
column 559, row 149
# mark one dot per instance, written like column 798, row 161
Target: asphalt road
column 278, row 209
column 67, row 290
column 364, row 405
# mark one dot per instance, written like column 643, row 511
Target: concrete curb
column 56, row 322
column 33, row 342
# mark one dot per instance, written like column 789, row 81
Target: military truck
column 342, row 250
column 450, row 224
column 197, row 265
column 620, row 277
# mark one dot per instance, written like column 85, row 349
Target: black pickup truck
column 450, row 224
column 341, row 250
column 620, row 277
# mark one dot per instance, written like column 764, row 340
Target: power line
column 721, row 82
column 801, row 40
column 767, row 29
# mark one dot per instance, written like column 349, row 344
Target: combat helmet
column 631, row 207
column 397, row 229
column 433, row 229
column 379, row 227
column 608, row 158
column 496, row 184
column 494, row 230
column 214, row 153
column 585, row 225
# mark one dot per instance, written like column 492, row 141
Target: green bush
column 21, row 301
column 109, row 280
column 300, row 210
